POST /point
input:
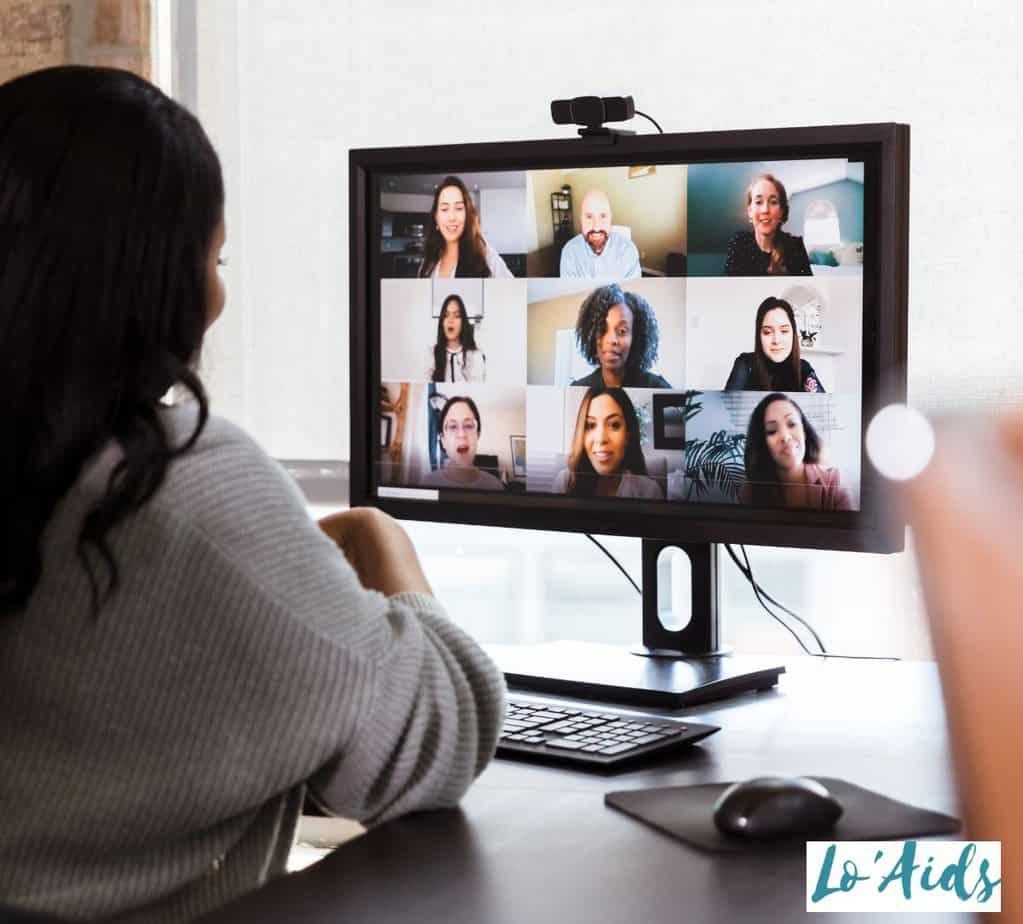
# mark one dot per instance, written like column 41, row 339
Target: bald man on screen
column 597, row 252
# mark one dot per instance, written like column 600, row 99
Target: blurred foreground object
column 966, row 510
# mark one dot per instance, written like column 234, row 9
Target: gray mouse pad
column 686, row 812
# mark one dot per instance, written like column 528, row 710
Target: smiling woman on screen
column 775, row 363
column 766, row 250
column 783, row 460
column 454, row 243
column 606, row 459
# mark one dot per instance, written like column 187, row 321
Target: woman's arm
column 498, row 268
column 811, row 382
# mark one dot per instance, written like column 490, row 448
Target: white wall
column 286, row 89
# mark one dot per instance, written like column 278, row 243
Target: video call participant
column 454, row 243
column 775, row 363
column 783, row 467
column 766, row 250
column 185, row 654
column 460, row 429
column 597, row 251
column 617, row 332
column 455, row 355
column 606, row 459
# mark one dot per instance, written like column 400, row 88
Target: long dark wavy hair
column 592, row 322
column 467, row 337
column 761, row 471
column 110, row 194
column 472, row 249
column 582, row 478
column 767, row 374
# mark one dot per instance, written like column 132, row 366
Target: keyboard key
column 564, row 744
column 647, row 739
column 618, row 748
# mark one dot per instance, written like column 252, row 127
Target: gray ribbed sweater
column 153, row 762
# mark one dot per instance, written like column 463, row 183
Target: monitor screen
column 653, row 338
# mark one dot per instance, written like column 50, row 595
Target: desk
column 537, row 844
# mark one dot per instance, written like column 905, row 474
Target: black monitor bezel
column 883, row 147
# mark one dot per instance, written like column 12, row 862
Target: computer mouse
column 775, row 807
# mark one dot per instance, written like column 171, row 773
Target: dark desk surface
column 538, row 844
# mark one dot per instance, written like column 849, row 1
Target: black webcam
column 592, row 112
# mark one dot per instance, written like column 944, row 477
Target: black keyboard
column 591, row 738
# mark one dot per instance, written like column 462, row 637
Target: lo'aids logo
column 904, row 876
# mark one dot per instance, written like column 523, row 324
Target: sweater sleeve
column 404, row 709
column 430, row 724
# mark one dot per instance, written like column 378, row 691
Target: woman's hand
column 378, row 549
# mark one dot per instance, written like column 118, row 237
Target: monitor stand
column 673, row 668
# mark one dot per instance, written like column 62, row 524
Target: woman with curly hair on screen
column 617, row 332
column 606, row 459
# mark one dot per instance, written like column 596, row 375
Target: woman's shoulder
column 487, row 482
column 594, row 378
column 808, row 377
column 742, row 372
column 495, row 263
column 833, row 495
column 225, row 476
column 646, row 379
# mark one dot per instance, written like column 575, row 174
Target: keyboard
column 594, row 739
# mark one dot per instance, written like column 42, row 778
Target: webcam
column 592, row 112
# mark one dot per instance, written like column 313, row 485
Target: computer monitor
column 679, row 337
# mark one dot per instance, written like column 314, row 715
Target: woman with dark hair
column 783, row 460
column 775, row 363
column 455, row 355
column 454, row 244
column 184, row 653
column 617, row 332
column 606, row 459
column 460, row 430
column 766, row 250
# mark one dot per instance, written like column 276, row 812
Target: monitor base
column 606, row 673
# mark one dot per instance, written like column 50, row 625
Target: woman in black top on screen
column 775, row 363
column 456, row 358
column 766, row 250
column 617, row 332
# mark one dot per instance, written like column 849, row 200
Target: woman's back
column 183, row 651
column 157, row 755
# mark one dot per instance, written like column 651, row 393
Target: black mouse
column 775, row 807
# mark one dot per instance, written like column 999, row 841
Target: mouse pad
column 686, row 812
